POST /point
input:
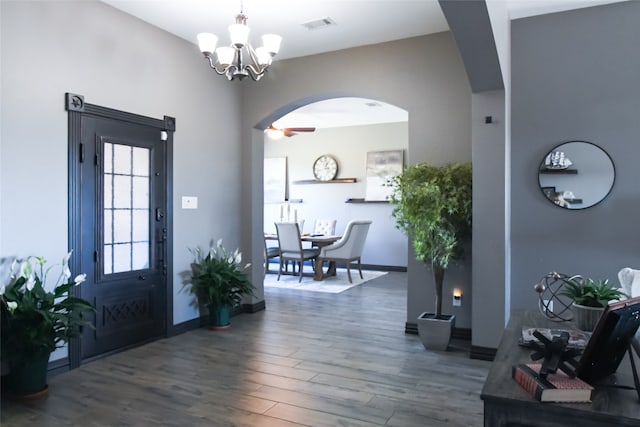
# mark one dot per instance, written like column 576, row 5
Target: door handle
column 159, row 214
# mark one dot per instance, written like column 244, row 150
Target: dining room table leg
column 317, row 269
column 331, row 270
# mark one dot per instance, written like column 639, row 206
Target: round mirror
column 576, row 175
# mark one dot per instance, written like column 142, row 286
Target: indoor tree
column 433, row 208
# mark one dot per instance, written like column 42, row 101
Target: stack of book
column 557, row 387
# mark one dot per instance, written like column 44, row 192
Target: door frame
column 76, row 108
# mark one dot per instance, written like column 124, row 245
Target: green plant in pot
column 433, row 208
column 219, row 282
column 590, row 297
column 36, row 321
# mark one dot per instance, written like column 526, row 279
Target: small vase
column 586, row 317
column 27, row 379
column 219, row 316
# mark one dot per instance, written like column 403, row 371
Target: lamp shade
column 225, row 55
column 239, row 34
column 264, row 57
column 207, row 42
column 271, row 43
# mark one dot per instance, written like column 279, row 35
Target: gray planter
column 435, row 334
column 586, row 317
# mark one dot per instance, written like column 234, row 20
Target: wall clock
column 325, row 168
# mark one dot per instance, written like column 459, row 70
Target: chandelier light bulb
column 225, row 55
column 239, row 34
column 271, row 43
column 207, row 42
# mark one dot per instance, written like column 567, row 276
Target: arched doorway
column 348, row 129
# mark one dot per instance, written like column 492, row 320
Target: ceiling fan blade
column 299, row 129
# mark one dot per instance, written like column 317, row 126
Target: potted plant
column 36, row 321
column 219, row 282
column 590, row 297
column 433, row 208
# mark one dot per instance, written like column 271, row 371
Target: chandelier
column 240, row 59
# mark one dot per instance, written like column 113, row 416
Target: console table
column 508, row 404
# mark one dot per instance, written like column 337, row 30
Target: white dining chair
column 349, row 248
column 291, row 247
column 326, row 227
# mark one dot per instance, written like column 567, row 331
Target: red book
column 558, row 387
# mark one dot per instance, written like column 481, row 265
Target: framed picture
column 549, row 192
column 275, row 179
column 610, row 340
column 382, row 166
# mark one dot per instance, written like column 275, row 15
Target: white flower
column 31, row 282
column 25, row 269
column 79, row 279
column 66, row 272
column 2, row 288
column 12, row 305
column 238, row 258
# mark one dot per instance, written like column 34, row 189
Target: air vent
column 319, row 23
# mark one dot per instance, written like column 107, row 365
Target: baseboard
column 183, row 327
column 201, row 321
column 255, row 307
column 58, row 366
column 411, row 328
column 458, row 333
column 482, row 353
column 373, row 267
column 461, row 334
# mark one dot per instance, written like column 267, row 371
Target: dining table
column 319, row 241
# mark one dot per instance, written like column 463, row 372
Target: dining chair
column 326, row 227
column 291, row 247
column 349, row 248
column 269, row 253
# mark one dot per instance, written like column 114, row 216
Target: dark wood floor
column 310, row 359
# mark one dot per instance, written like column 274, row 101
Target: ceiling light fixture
column 230, row 61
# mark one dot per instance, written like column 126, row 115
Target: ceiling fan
column 276, row 133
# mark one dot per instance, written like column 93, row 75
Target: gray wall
column 385, row 245
column 575, row 77
column 488, row 313
column 430, row 84
column 114, row 60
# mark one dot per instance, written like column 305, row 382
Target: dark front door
column 123, row 231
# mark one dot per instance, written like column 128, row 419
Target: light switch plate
column 189, row 202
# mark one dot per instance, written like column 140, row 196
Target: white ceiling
column 358, row 23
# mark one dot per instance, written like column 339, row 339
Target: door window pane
column 122, row 257
column 140, row 196
column 140, row 221
column 140, row 258
column 122, row 159
column 121, row 225
column 122, row 191
column 140, row 161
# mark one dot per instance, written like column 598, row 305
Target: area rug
column 334, row 285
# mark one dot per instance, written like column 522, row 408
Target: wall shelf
column 559, row 171
column 333, row 181
column 367, row 201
